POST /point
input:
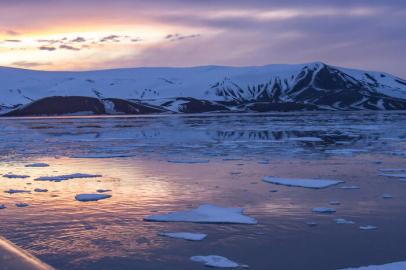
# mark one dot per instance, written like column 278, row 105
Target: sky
column 101, row 34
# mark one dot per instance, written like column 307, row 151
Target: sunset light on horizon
column 86, row 35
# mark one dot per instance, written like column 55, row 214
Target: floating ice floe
column 346, row 152
column 37, row 165
column 343, row 221
column 305, row 183
column 397, row 170
column 387, row 196
column 66, row 177
column 215, row 261
column 349, row 187
column 263, row 162
column 311, row 223
column 334, row 203
column 12, row 191
column 306, row 139
column 103, row 190
column 91, row 197
column 189, row 161
column 388, row 266
column 15, row 176
column 396, row 175
column 102, row 155
column 40, row 190
column 22, row 204
column 368, row 227
column 185, row 235
column 2, row 206
column 323, row 210
column 206, row 213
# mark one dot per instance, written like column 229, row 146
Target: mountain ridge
column 309, row 86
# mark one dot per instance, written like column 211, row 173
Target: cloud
column 12, row 40
column 12, row 33
column 113, row 38
column 51, row 41
column 47, row 48
column 68, row 47
column 79, row 39
column 28, row 64
column 177, row 37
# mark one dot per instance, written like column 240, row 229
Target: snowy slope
column 314, row 83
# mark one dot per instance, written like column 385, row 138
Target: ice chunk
column 306, row 139
column 66, row 177
column 387, row 196
column 206, row 213
column 22, row 204
column 397, row 175
column 40, row 190
column 392, row 170
column 2, row 206
column 324, row 210
column 37, row 165
column 368, row 227
column 215, row 261
column 343, row 221
column 15, row 176
column 334, row 203
column 311, row 223
column 187, row 161
column 103, row 190
column 389, row 266
column 350, row 187
column 185, row 235
column 12, row 191
column 298, row 182
column 102, row 155
column 91, row 197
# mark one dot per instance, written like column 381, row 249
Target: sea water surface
column 161, row 164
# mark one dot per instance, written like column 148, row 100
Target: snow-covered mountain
column 309, row 86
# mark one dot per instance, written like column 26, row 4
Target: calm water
column 132, row 154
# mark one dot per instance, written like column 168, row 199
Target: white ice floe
column 206, row 213
column 2, row 206
column 37, row 165
column 323, row 210
column 343, row 221
column 91, row 197
column 305, row 183
column 368, row 227
column 102, row 155
column 215, row 261
column 103, row 190
column 22, row 204
column 12, row 191
column 40, row 190
column 312, row 223
column 397, row 170
column 189, row 161
column 306, row 139
column 349, row 187
column 185, row 235
column 334, row 203
column 387, row 196
column 396, row 175
column 60, row 178
column 15, row 176
column 389, row 266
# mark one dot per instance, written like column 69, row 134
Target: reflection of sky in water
column 145, row 183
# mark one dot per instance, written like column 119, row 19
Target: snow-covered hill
column 208, row 88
